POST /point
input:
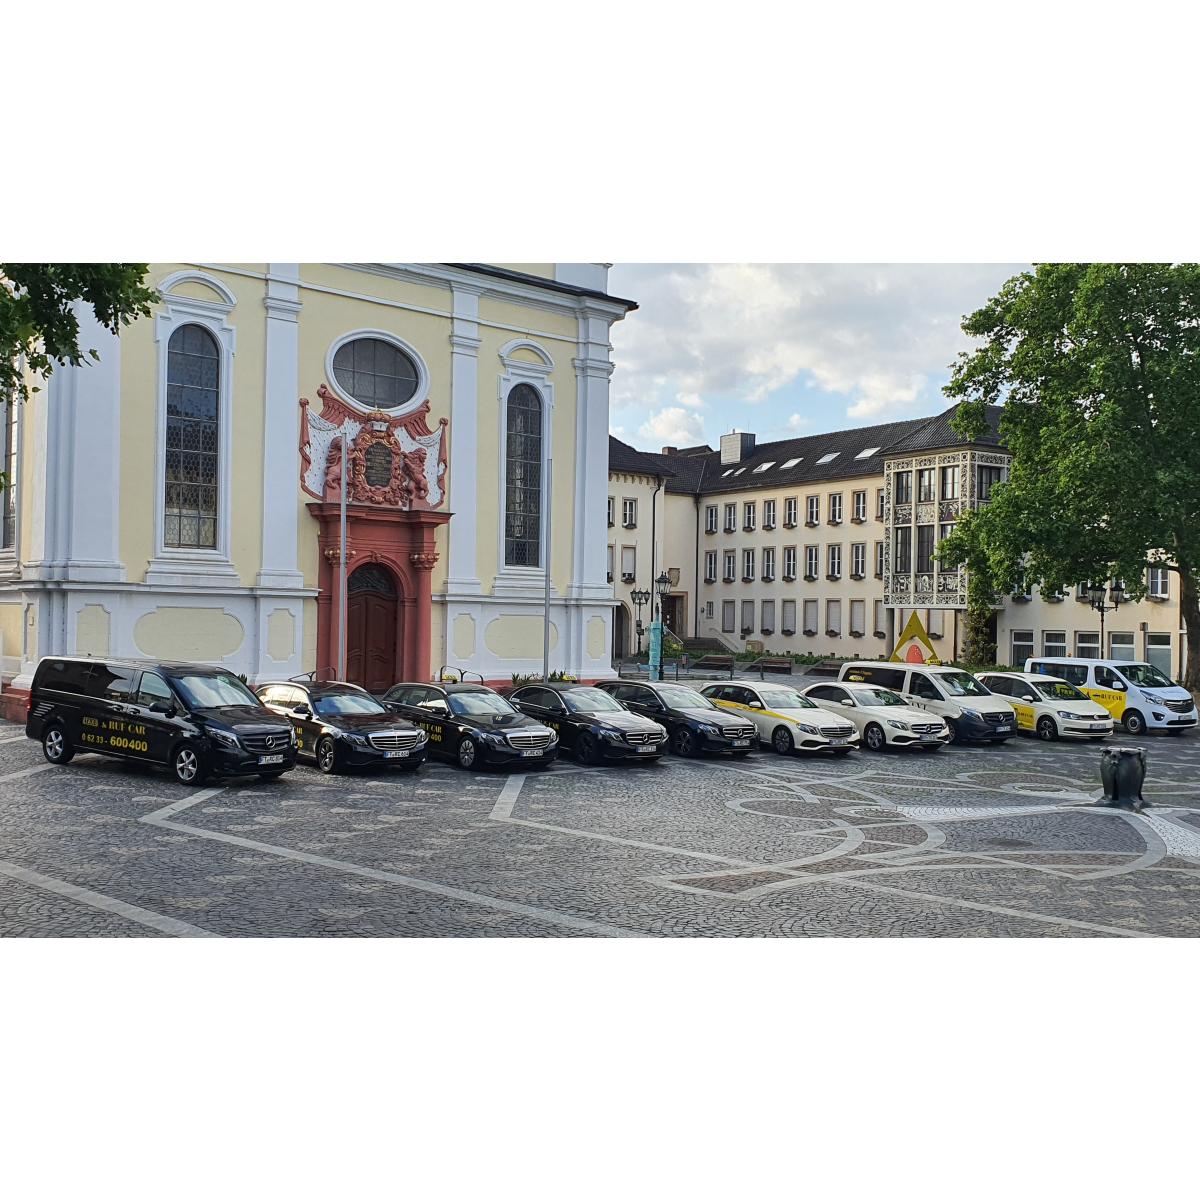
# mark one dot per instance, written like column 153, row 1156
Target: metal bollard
column 1122, row 773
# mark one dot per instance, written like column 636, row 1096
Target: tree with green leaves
column 1098, row 368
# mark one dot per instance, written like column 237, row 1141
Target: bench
column 829, row 669
column 780, row 666
column 715, row 662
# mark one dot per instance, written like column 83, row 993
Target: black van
column 198, row 720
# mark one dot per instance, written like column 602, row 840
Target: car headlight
column 224, row 739
column 900, row 725
column 809, row 729
column 609, row 733
column 1068, row 716
column 709, row 730
column 496, row 739
column 553, row 736
column 972, row 712
column 1152, row 699
column 422, row 735
column 292, row 731
column 356, row 739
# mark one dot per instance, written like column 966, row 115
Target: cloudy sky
column 785, row 349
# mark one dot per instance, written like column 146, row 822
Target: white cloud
column 673, row 427
column 879, row 338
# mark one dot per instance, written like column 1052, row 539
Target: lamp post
column 662, row 585
column 1096, row 598
column 639, row 596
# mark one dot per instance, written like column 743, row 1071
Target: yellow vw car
column 1048, row 706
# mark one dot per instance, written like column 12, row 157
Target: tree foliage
column 1098, row 368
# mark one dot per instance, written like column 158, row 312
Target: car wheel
column 1134, row 722
column 326, row 756
column 468, row 753
column 952, row 728
column 874, row 736
column 686, row 743
column 1047, row 730
column 587, row 750
column 782, row 741
column 188, row 766
column 56, row 746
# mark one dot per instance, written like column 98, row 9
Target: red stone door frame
column 401, row 540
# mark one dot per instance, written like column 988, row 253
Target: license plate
column 1003, row 728
column 929, row 737
column 266, row 759
column 395, row 754
column 646, row 749
column 1100, row 725
column 741, row 743
column 531, row 754
column 837, row 741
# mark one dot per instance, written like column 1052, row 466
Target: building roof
column 553, row 285
column 624, row 458
column 815, row 459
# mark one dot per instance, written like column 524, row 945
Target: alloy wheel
column 781, row 739
column 466, row 753
column 187, row 765
column 326, row 756
column 54, row 745
column 876, row 738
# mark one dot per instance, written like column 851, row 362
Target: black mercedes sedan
column 590, row 723
column 693, row 722
column 340, row 725
column 474, row 725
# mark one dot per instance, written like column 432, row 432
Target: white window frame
column 812, row 510
column 612, row 511
column 629, row 512
column 1057, row 649
column 710, row 564
column 629, row 553
column 812, row 561
column 789, row 561
column 833, row 559
column 860, row 505
column 858, row 623
column 1027, row 637
column 783, row 616
column 1080, row 642
column 730, row 518
column 1164, row 577
column 729, row 616
column 833, row 609
column 768, row 514
column 790, row 511
column 729, row 565
column 879, row 558
column 612, row 563
column 750, row 606
column 858, row 558
column 816, row 614
column 768, row 562
column 750, row 515
column 712, row 518
column 766, row 616
column 835, row 508
column 748, row 564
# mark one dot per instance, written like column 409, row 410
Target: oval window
column 375, row 373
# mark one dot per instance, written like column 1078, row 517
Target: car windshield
column 784, row 698
column 478, row 704
column 214, row 691
column 589, row 700
column 674, row 696
column 1057, row 690
column 1144, row 675
column 959, row 683
column 347, row 704
column 879, row 697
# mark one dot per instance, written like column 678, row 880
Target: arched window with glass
column 193, row 426
column 523, row 478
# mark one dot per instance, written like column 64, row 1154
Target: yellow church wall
column 10, row 630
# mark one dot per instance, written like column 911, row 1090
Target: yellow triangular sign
column 914, row 645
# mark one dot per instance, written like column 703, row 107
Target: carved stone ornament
column 424, row 560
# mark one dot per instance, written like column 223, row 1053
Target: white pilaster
column 281, row 414
column 462, row 568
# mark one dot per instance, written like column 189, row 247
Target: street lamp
column 640, row 597
column 1096, row 599
column 662, row 585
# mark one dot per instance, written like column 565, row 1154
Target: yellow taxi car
column 1048, row 706
column 784, row 719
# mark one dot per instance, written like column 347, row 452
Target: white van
column 1138, row 695
column 971, row 712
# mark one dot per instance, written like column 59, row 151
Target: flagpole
column 548, row 508
column 341, row 669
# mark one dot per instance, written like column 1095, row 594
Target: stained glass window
column 523, row 479
column 193, row 420
column 375, row 373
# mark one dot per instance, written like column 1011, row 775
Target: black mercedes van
column 197, row 720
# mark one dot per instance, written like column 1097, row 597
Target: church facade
column 180, row 497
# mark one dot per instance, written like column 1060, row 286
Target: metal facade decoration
column 396, row 462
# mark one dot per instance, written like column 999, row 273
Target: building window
column 879, row 560
column 880, row 618
column 812, row 562
column 879, row 504
column 810, row 617
column 8, row 468
column 730, row 566
column 1022, row 647
column 903, row 485
column 193, row 432
column 611, row 512
column 925, row 483
column 1158, row 652
column 523, row 479
column 749, row 515
column 710, row 566
column 708, row 610
column 629, row 513
column 903, row 557
column 833, row 618
column 1087, row 644
column 768, row 616
column 789, row 512
column 988, row 477
column 769, row 563
column 1157, row 584
column 789, row 562
column 728, row 613
column 935, row 622
column 949, row 489
column 375, row 373
column 730, row 518
column 924, row 548
column 814, row 510
column 1054, row 643
column 710, row 518
column 860, row 507
column 747, row 565
column 747, row 617
column 858, row 618
column 835, row 562
column 1120, row 645
column 611, row 561
column 835, row 508
column 628, row 564
column 858, row 560
column 789, row 617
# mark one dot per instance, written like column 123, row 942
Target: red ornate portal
column 395, row 467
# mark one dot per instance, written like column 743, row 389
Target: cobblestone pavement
column 988, row 841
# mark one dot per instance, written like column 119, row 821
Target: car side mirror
column 163, row 710
column 1120, row 685
column 755, row 704
column 847, row 703
column 302, row 710
column 1027, row 700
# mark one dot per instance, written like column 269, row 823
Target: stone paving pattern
column 987, row 841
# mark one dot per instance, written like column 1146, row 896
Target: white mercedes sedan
column 882, row 717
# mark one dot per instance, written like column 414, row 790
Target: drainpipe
column 696, row 597
column 654, row 541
